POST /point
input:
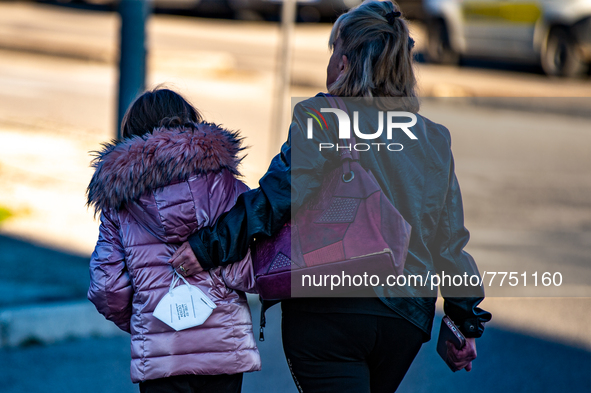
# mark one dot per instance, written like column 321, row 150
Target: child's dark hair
column 156, row 108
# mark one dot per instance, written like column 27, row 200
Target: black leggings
column 339, row 353
column 222, row 383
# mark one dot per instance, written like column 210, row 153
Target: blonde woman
column 362, row 344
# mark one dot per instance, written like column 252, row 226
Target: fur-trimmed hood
column 125, row 170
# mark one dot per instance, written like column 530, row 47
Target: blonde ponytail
column 376, row 40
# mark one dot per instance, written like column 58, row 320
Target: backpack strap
column 346, row 154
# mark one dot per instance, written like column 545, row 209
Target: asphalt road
column 508, row 362
column 524, row 176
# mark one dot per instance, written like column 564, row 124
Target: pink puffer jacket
column 152, row 192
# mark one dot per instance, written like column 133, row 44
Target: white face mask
column 185, row 306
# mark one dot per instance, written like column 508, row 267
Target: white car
column 555, row 33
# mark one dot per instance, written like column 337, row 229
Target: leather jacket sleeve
column 460, row 304
column 258, row 212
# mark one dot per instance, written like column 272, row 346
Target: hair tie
column 391, row 17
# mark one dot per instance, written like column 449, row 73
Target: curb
column 50, row 323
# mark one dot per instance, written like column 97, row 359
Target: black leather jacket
column 419, row 180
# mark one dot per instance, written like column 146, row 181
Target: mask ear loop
column 173, row 283
column 184, row 279
column 175, row 279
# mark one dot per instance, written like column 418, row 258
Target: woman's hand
column 462, row 358
column 184, row 261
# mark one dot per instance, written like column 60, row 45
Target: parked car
column 554, row 33
column 412, row 9
column 207, row 7
column 308, row 10
column 315, row 10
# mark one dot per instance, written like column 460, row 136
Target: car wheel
column 439, row 48
column 561, row 56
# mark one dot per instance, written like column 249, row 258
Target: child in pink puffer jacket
column 170, row 175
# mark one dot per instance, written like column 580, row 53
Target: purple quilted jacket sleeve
column 110, row 285
column 240, row 275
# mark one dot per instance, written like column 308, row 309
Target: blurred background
column 510, row 79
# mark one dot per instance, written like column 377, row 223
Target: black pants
column 223, row 383
column 339, row 353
